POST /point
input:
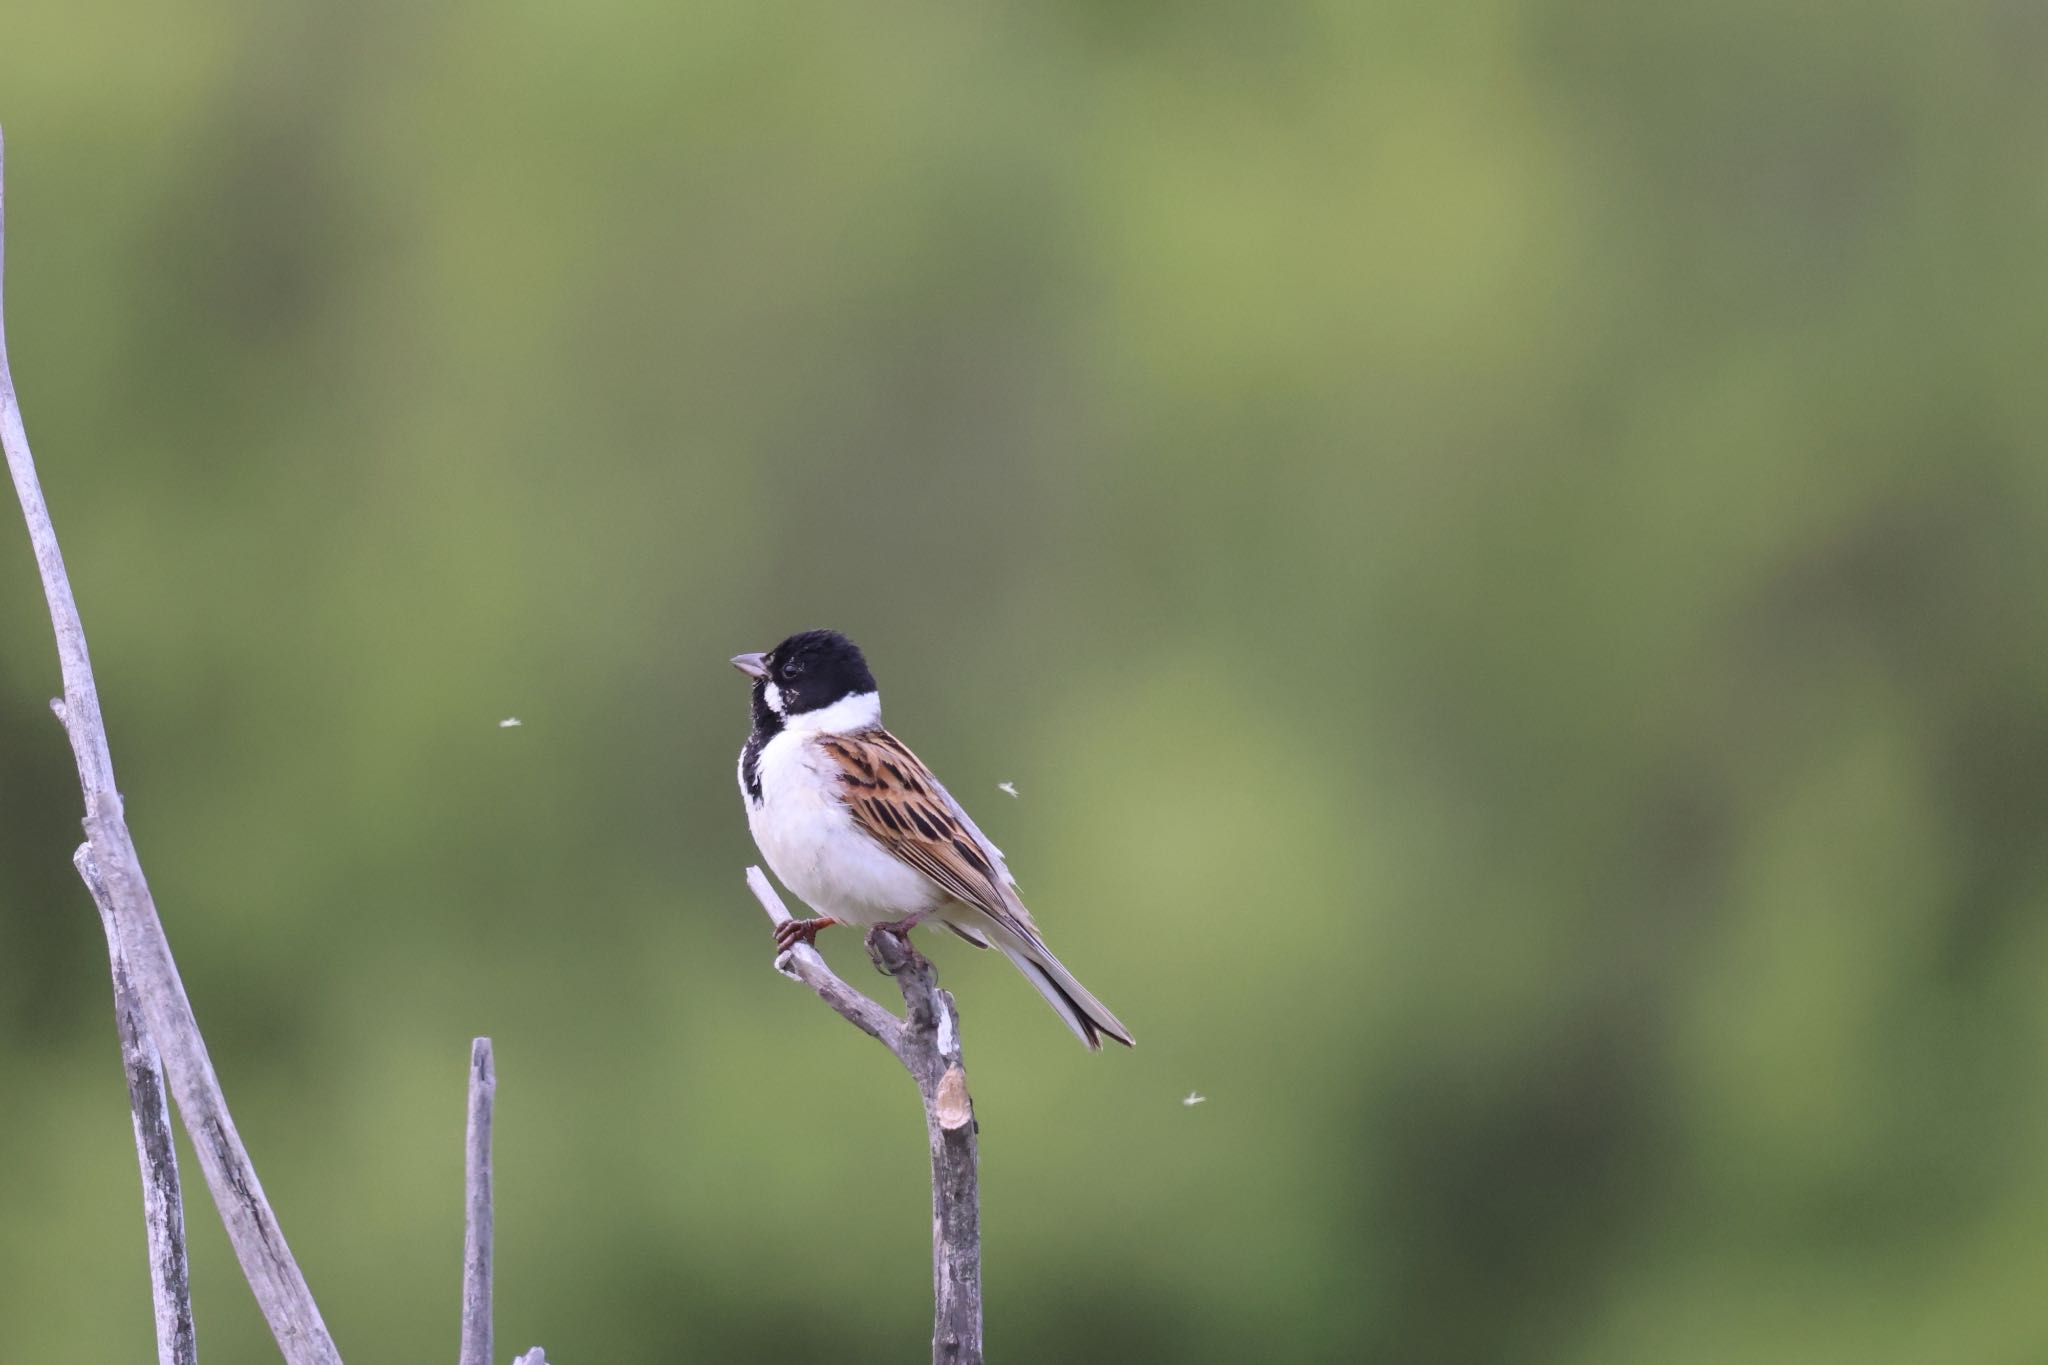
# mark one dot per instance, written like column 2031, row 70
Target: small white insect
column 1010, row 787
column 1194, row 1098
column 510, row 723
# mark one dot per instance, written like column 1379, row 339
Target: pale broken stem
column 138, row 938
column 927, row 1043
column 163, row 1205
column 476, row 1239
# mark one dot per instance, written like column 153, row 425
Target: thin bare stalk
column 139, row 939
column 163, row 1203
column 476, row 1239
column 927, row 1042
column 803, row 963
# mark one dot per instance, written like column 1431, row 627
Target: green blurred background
column 1502, row 546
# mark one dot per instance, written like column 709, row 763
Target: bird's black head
column 806, row 672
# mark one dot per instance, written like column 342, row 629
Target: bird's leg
column 791, row 932
column 900, row 927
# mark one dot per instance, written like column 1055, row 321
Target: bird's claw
column 890, row 946
column 791, row 932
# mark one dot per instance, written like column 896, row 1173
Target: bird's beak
column 753, row 665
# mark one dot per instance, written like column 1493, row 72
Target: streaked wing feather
column 894, row 797
column 988, row 847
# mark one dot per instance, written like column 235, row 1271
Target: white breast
column 812, row 844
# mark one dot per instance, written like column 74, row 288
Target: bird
column 855, row 824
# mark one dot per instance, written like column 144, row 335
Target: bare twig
column 927, row 1043
column 802, row 963
column 139, row 940
column 476, row 1240
column 534, row 1357
column 163, row 1204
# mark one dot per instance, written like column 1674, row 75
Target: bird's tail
column 1088, row 1017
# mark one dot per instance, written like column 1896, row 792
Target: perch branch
column 927, row 1043
column 476, row 1239
column 139, row 940
column 803, row 963
column 163, row 1204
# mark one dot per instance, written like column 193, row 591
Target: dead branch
column 927, row 1043
column 163, row 1203
column 138, row 936
column 159, row 1036
column 476, row 1239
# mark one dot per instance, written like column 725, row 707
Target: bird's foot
column 791, row 932
column 889, row 944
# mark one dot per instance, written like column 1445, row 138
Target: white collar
column 861, row 711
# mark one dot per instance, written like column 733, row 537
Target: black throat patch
column 750, row 765
column 767, row 725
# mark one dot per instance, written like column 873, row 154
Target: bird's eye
column 791, row 668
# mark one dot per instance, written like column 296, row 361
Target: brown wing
column 895, row 798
